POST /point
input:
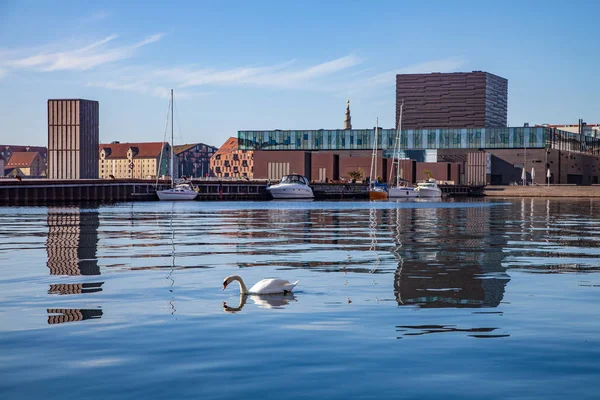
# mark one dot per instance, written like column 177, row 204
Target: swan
column 273, row 301
column 266, row 286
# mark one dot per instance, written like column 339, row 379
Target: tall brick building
column 73, row 137
column 452, row 100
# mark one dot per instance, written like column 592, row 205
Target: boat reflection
column 271, row 301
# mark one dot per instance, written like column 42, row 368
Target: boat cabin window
column 294, row 179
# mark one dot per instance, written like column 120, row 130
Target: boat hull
column 279, row 192
column 430, row 192
column 378, row 195
column 171, row 195
column 402, row 193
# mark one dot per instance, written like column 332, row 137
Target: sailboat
column 375, row 192
column 183, row 190
column 398, row 191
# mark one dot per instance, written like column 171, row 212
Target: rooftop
column 141, row 150
column 229, row 146
column 21, row 159
column 184, row 147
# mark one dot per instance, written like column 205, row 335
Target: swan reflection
column 271, row 301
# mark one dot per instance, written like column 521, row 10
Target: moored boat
column 291, row 187
column 429, row 189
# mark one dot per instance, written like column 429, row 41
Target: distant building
column 452, row 100
column 348, row 119
column 588, row 129
column 193, row 160
column 231, row 162
column 73, row 137
column 133, row 160
column 1, row 166
column 24, row 164
column 6, row 150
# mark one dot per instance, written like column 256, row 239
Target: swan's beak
column 224, row 285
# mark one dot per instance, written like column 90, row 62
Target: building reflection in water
column 62, row 315
column 442, row 263
column 75, row 288
column 72, row 241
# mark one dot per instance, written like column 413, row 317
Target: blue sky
column 283, row 64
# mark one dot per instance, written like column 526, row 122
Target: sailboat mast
column 172, row 151
column 397, row 155
column 375, row 152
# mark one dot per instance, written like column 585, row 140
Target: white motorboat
column 183, row 190
column 291, row 187
column 429, row 189
column 402, row 192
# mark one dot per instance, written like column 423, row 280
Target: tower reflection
column 62, row 315
column 442, row 264
column 72, row 241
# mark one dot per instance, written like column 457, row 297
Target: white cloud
column 278, row 76
column 144, row 88
column 84, row 58
column 275, row 76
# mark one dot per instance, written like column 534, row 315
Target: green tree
column 355, row 175
column 428, row 174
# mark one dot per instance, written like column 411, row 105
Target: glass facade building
column 419, row 139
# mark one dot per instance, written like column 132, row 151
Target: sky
column 262, row 65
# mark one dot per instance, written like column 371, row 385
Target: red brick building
column 231, row 162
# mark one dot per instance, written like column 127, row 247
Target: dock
column 48, row 191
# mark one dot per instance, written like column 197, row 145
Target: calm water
column 494, row 299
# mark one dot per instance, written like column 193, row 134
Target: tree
column 355, row 175
column 428, row 174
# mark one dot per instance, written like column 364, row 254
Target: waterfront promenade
column 542, row 191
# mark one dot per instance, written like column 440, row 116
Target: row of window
column 353, row 139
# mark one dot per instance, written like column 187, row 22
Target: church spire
column 348, row 120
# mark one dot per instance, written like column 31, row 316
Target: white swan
column 266, row 286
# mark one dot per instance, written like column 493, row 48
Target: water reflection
column 443, row 263
column 75, row 288
column 72, row 241
column 418, row 330
column 62, row 315
column 271, row 301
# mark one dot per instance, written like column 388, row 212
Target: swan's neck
column 242, row 303
column 243, row 288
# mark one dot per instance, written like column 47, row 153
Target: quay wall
column 542, row 191
column 48, row 191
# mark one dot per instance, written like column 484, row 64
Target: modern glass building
column 419, row 139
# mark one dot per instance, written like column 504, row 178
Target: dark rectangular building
column 452, row 100
column 73, row 137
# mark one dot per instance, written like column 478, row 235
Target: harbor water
column 454, row 299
